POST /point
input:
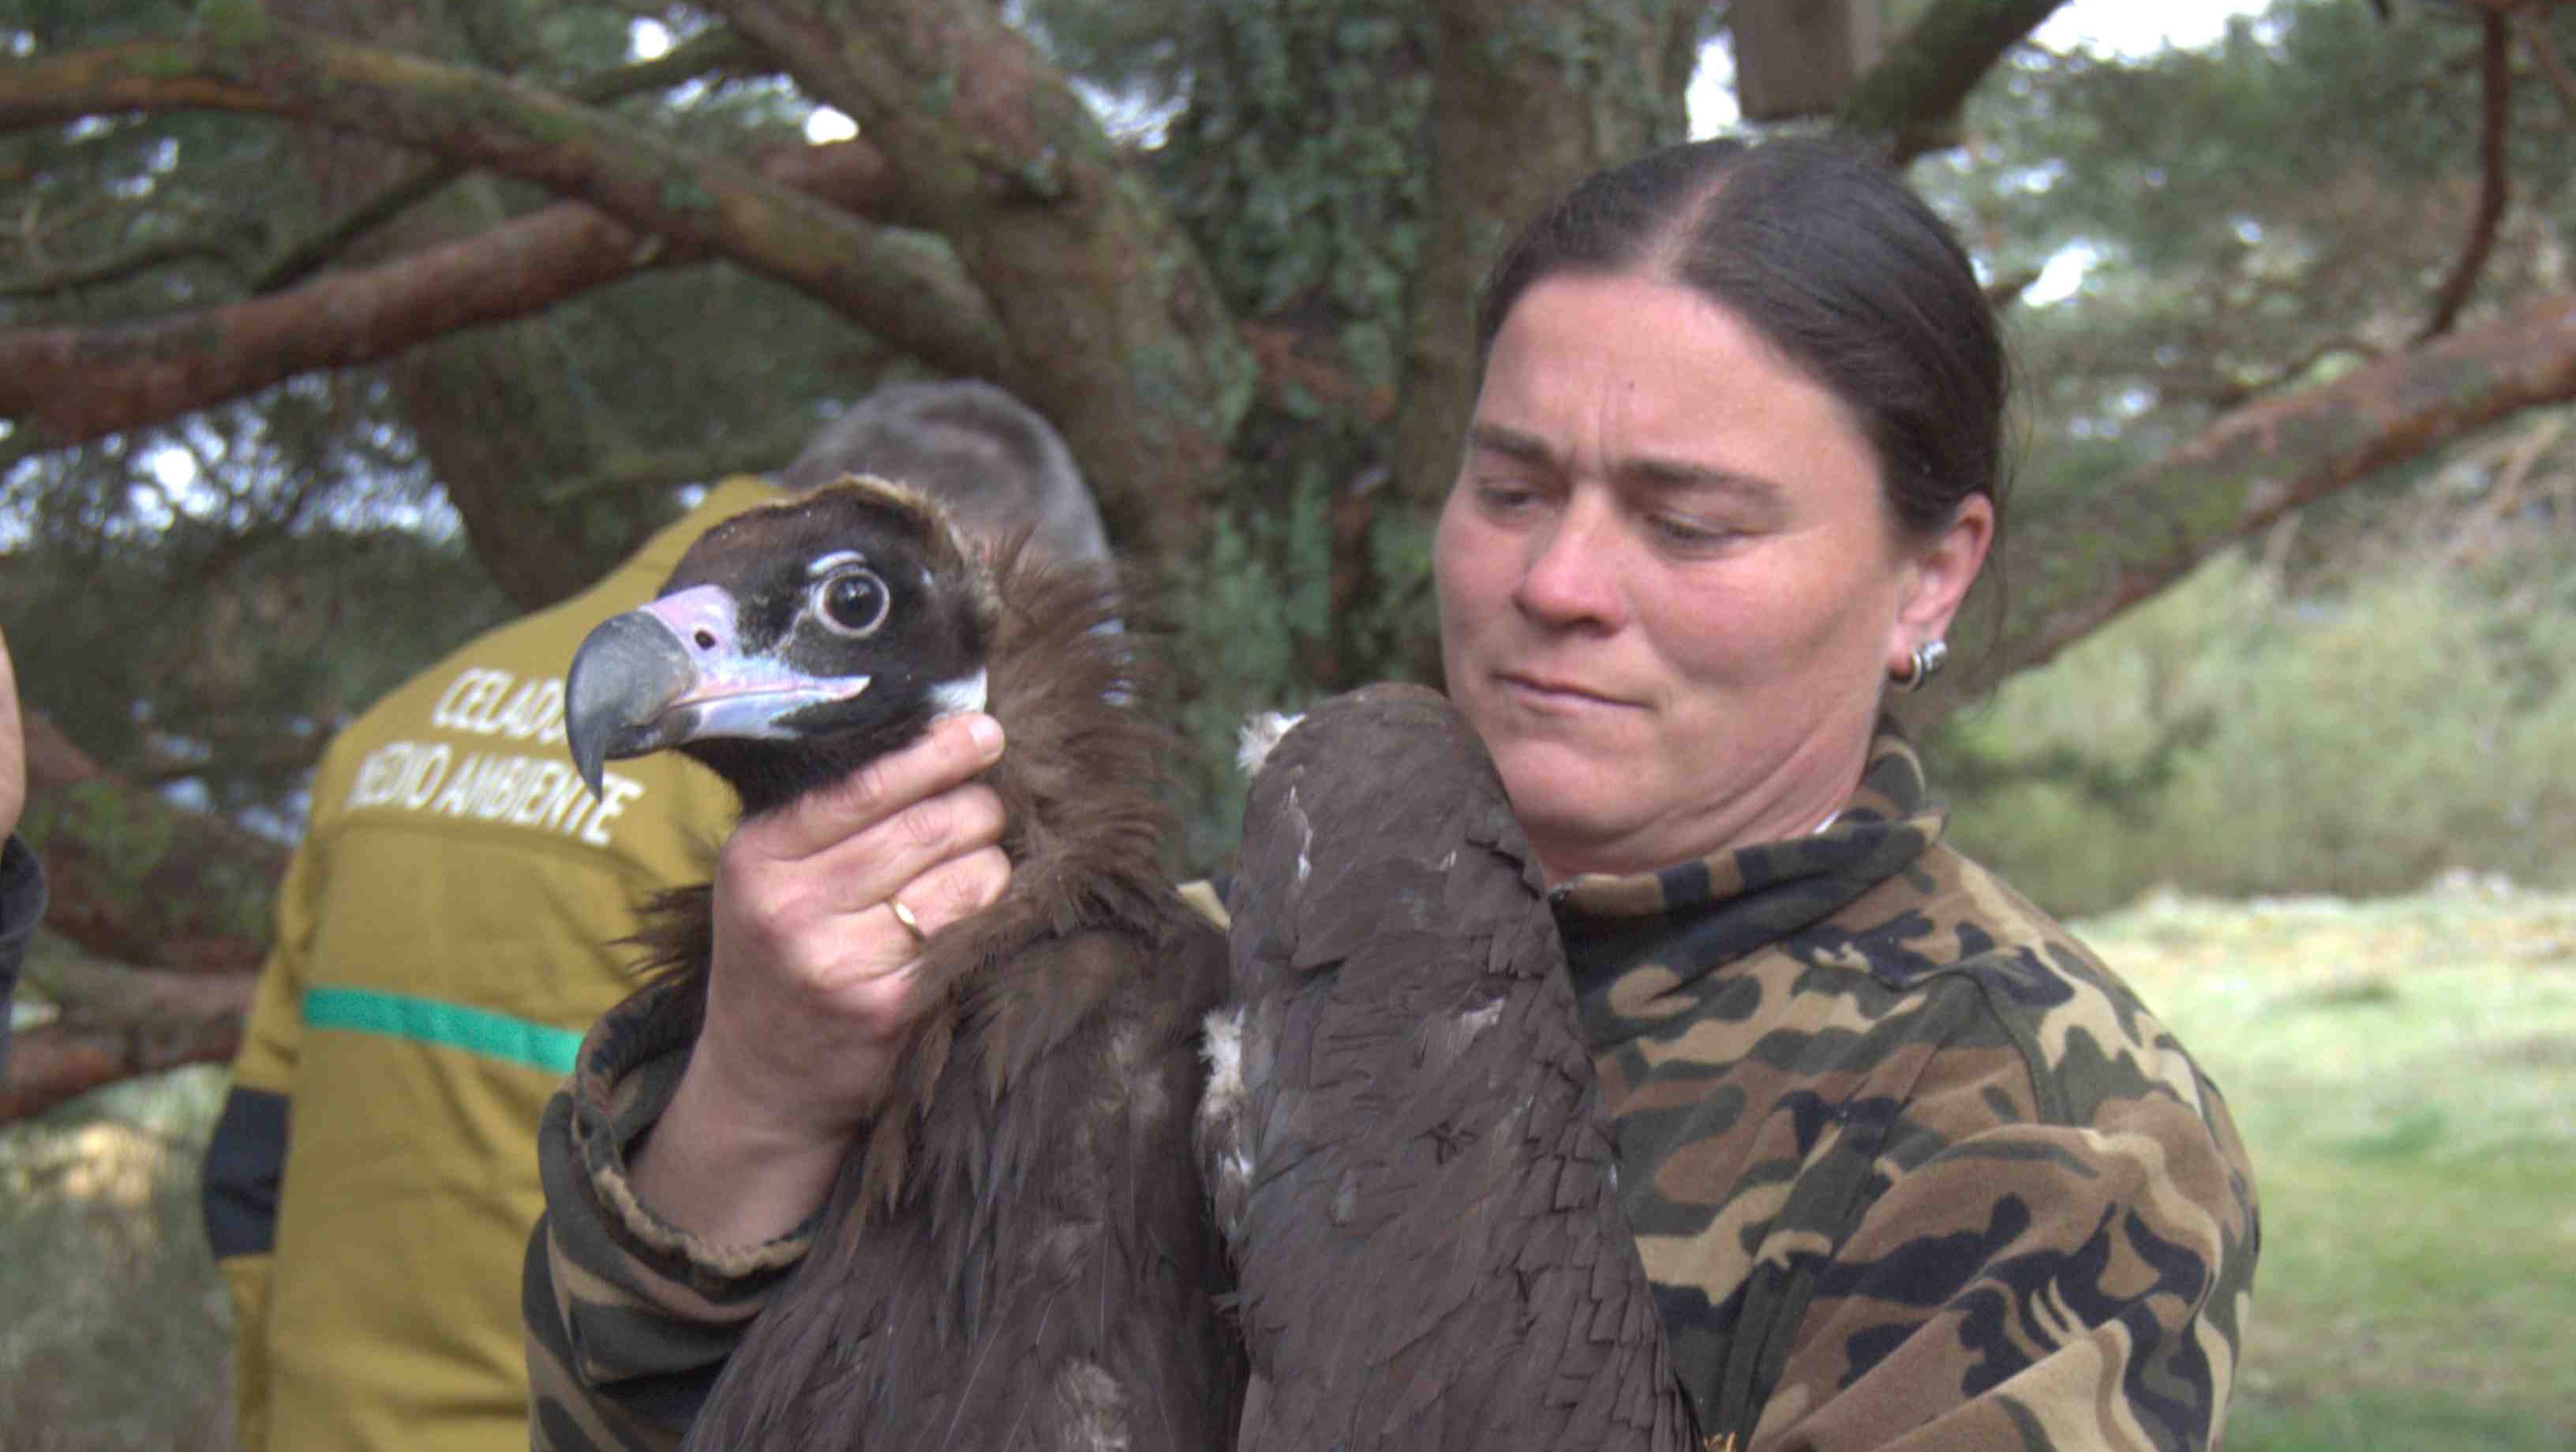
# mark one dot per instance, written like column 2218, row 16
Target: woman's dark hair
column 1829, row 256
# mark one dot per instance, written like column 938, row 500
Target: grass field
column 2404, row 1072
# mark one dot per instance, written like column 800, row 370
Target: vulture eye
column 851, row 602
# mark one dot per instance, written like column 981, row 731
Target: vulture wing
column 1047, row 1280
column 1403, row 1131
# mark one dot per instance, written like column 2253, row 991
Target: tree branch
column 1909, row 102
column 1084, row 265
column 2073, row 571
column 193, row 247
column 711, row 203
column 135, row 879
column 2495, row 67
column 69, row 385
column 717, row 49
column 117, row 1023
column 2006, row 290
column 760, row 454
column 2545, row 52
column 2216, row 390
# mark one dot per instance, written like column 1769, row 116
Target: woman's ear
column 1939, row 573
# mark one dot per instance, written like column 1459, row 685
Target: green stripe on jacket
column 449, row 1025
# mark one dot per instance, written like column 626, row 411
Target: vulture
column 1018, row 1255
column 1402, row 1131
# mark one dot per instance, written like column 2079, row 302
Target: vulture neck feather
column 1080, row 780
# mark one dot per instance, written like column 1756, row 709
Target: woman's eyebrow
column 1660, row 475
column 1684, row 477
column 1511, row 444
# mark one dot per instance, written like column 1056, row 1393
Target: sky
column 2113, row 27
column 2141, row 27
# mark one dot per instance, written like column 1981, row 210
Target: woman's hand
column 812, row 984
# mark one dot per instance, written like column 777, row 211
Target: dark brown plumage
column 1019, row 1256
column 1403, row 1131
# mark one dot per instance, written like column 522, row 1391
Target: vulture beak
column 674, row 672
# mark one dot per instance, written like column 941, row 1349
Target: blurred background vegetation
column 2309, row 794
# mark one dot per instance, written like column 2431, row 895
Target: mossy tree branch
column 705, row 54
column 2074, row 570
column 711, row 203
column 68, row 385
column 1909, row 102
column 2495, row 181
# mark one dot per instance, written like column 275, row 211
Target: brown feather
column 1404, row 1135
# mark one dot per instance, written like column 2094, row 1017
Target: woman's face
column 1670, row 588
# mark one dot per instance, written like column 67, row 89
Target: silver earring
column 1926, row 660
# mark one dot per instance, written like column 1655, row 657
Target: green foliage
column 1256, row 603
column 133, row 840
column 60, row 24
column 118, row 1337
column 2241, row 735
column 217, row 630
column 2260, row 213
column 544, row 39
column 1259, row 634
column 1295, row 167
column 1296, row 219
column 2353, row 711
column 229, row 22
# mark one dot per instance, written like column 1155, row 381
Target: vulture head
column 794, row 643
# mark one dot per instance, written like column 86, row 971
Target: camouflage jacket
column 1908, row 1166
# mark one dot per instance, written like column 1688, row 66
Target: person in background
column 1907, row 1165
column 450, row 924
column 22, row 882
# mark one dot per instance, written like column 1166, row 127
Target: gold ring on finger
column 910, row 923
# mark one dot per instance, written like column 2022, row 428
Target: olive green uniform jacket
column 1908, row 1167
column 447, row 930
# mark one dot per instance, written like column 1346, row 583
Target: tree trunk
column 1525, row 99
